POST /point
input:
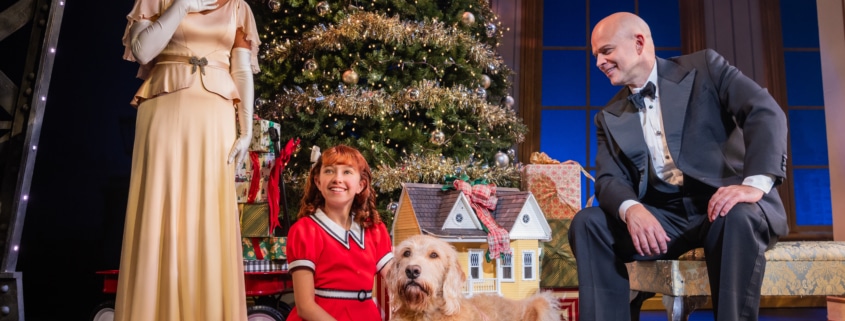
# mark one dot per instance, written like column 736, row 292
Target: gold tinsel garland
column 367, row 25
column 378, row 103
column 434, row 169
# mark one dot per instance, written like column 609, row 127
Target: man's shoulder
column 698, row 58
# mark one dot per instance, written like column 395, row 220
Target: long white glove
column 241, row 71
column 149, row 38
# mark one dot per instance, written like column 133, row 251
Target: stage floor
column 784, row 314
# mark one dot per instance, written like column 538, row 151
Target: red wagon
column 265, row 289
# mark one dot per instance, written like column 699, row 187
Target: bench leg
column 637, row 299
column 679, row 308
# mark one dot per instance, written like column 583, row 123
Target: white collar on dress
column 338, row 232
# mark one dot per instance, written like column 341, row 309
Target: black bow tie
column 638, row 98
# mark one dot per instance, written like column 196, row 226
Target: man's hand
column 726, row 197
column 646, row 232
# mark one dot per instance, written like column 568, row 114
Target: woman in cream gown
column 181, row 257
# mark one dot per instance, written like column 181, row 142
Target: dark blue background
column 74, row 220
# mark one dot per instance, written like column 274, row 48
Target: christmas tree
column 416, row 86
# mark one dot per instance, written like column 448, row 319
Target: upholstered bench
column 792, row 268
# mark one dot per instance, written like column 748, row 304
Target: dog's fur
column 425, row 283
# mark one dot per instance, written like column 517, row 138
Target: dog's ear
column 453, row 285
column 394, row 282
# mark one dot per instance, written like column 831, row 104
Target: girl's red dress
column 343, row 262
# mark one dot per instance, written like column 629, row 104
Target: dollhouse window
column 475, row 264
column 528, row 265
column 507, row 267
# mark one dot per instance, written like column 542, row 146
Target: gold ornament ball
column 468, row 19
column 485, row 81
column 310, row 65
column 438, row 137
column 350, row 77
column 275, row 5
column 412, row 94
column 323, row 8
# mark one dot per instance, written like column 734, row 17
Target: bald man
column 689, row 151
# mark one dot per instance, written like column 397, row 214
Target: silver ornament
column 511, row 153
column 485, row 81
column 323, row 8
column 310, row 65
column 412, row 94
column 490, row 29
column 507, row 101
column 502, row 160
column 481, row 93
column 392, row 207
column 350, row 77
column 274, row 5
column 468, row 19
column 437, row 137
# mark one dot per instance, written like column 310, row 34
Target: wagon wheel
column 103, row 312
column 264, row 313
column 284, row 309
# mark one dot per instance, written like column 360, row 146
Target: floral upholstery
column 792, row 268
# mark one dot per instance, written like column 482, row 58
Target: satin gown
column 181, row 256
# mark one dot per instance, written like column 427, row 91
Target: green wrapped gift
column 557, row 268
column 261, row 135
column 264, row 248
column 245, row 175
column 255, row 220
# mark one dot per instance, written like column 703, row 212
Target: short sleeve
column 143, row 10
column 304, row 244
column 246, row 22
column 383, row 246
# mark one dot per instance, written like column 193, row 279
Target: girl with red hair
column 339, row 242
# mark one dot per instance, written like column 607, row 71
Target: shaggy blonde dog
column 425, row 283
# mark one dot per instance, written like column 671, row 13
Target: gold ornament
column 274, row 5
column 323, row 8
column 412, row 94
column 485, row 81
column 468, row 19
column 310, row 65
column 350, row 77
column 438, row 137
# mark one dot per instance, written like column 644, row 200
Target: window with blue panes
column 574, row 90
column 805, row 108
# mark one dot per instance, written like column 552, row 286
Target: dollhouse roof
column 433, row 208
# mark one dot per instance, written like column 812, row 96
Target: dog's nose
column 412, row 271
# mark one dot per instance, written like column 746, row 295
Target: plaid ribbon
column 483, row 200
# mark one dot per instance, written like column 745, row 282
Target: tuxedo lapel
column 623, row 127
column 675, row 87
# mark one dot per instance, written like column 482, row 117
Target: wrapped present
column 557, row 268
column 264, row 248
column 256, row 220
column 251, row 185
column 557, row 187
column 261, row 136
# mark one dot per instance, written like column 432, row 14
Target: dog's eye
column 433, row 255
column 407, row 253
